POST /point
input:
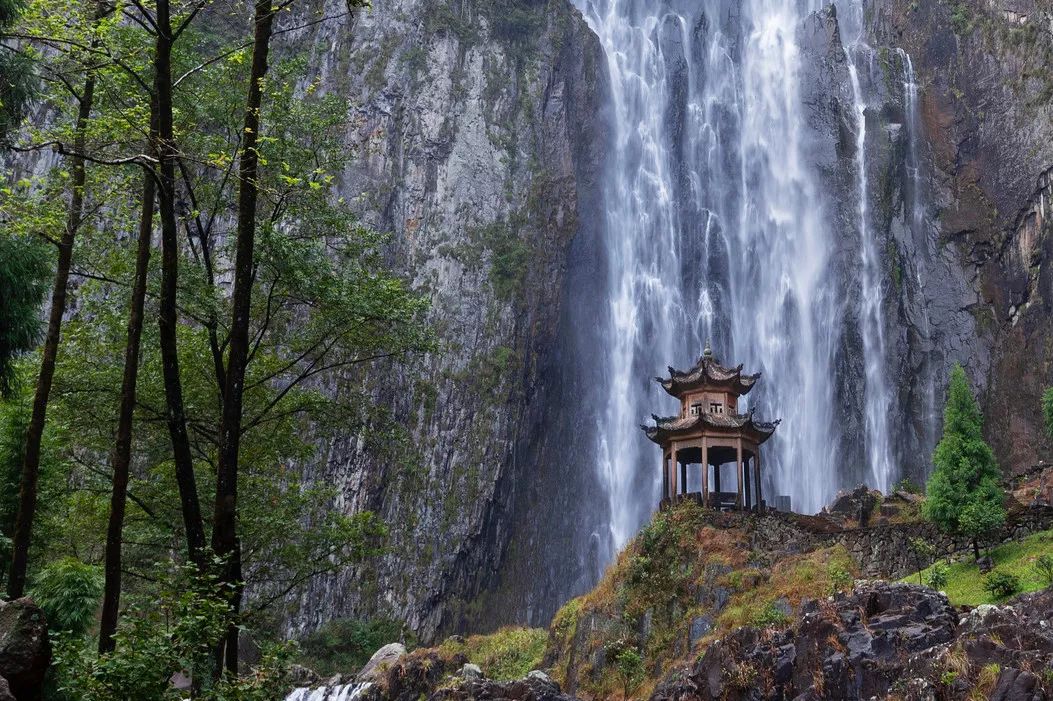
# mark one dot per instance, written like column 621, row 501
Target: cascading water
column 339, row 692
column 718, row 227
column 877, row 395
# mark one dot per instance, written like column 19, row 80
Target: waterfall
column 339, row 692
column 718, row 226
column 877, row 398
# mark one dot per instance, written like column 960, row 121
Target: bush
column 344, row 645
column 68, row 591
column 1001, row 584
column 840, row 579
column 628, row 664
column 937, row 577
column 1044, row 568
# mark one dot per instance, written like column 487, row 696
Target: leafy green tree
column 630, row 667
column 964, row 496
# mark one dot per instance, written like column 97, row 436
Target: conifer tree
column 964, row 496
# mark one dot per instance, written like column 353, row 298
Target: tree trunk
column 167, row 314
column 976, row 549
column 27, row 496
column 122, row 447
column 224, row 530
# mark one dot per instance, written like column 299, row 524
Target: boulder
column 858, row 505
column 471, row 671
column 25, row 650
column 1017, row 685
column 381, row 661
column 539, row 676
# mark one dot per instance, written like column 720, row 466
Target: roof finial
column 708, row 352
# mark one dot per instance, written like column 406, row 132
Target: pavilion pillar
column 673, row 492
column 705, row 473
column 716, row 480
column 746, row 481
column 738, row 466
column 756, row 478
column 683, row 478
column 665, row 475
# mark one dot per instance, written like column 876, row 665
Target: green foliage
column 938, row 576
column 964, row 494
column 69, row 592
column 909, row 486
column 628, row 664
column 175, row 633
column 961, row 18
column 24, row 268
column 1044, row 568
column 1047, row 410
column 770, row 615
column 1001, row 584
column 344, row 645
column 925, row 551
column 840, row 579
column 509, row 653
column 510, row 256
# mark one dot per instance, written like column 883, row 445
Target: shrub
column 840, row 579
column 629, row 665
column 68, row 591
column 1044, row 568
column 937, row 577
column 1001, row 584
column 344, row 645
column 770, row 615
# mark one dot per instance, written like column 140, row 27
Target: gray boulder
column 382, row 660
column 471, row 671
column 25, row 650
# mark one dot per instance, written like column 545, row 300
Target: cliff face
column 478, row 133
column 987, row 120
column 480, row 130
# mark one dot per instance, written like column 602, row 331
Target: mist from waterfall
column 718, row 228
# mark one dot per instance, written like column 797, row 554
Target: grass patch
column 965, row 584
column 813, row 575
column 508, row 654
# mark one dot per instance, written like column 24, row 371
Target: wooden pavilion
column 711, row 434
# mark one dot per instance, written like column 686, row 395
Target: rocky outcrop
column 477, row 137
column 880, row 640
column 536, row 687
column 25, row 650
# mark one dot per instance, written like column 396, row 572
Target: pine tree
column 964, row 496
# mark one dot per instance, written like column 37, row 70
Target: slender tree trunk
column 167, row 314
column 976, row 549
column 27, row 497
column 224, row 531
column 122, row 447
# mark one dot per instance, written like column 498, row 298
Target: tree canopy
column 964, row 495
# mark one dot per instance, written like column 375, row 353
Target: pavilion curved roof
column 708, row 372
column 669, row 427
